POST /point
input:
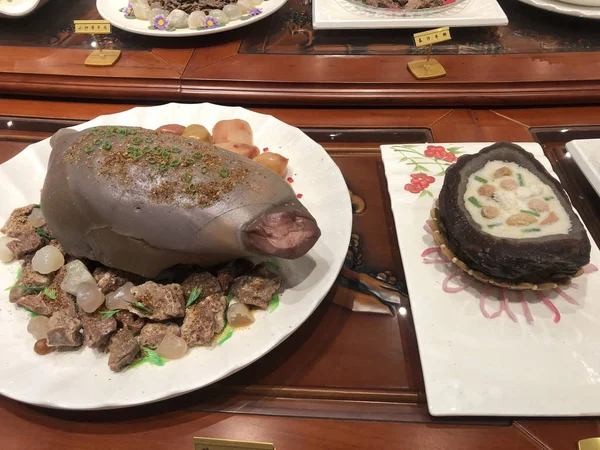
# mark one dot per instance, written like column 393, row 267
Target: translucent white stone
column 244, row 6
column 233, row 11
column 196, row 19
column 77, row 273
column 47, row 259
column 172, row 347
column 255, row 3
column 178, row 18
column 6, row 255
column 219, row 15
column 238, row 315
column 142, row 10
column 38, row 327
column 157, row 12
column 121, row 298
column 89, row 296
column 36, row 218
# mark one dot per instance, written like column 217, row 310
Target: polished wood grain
column 361, row 369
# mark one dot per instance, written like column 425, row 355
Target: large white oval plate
column 82, row 379
column 567, row 9
column 109, row 10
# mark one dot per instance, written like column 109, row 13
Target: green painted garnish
column 151, row 160
column 150, row 356
column 548, row 198
column 187, row 177
column 50, row 294
column 109, row 314
column 33, row 313
column 228, row 298
column 194, row 296
column 475, row 201
column 141, row 307
column 31, row 288
column 106, row 145
column 190, row 161
column 492, row 225
column 224, row 173
column 481, row 180
column 274, row 303
column 531, row 230
column 175, row 163
column 97, row 141
column 19, row 272
column 271, row 265
column 533, row 213
column 162, row 167
column 175, row 150
column 197, row 155
column 521, row 180
column 227, row 333
column 88, row 149
column 192, row 187
column 204, row 169
column 146, row 149
column 122, row 131
column 149, row 139
column 131, row 131
column 136, row 140
column 43, row 234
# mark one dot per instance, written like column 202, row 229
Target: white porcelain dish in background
column 567, row 9
column 586, row 153
column 82, row 379
column 19, row 8
column 109, row 10
column 341, row 14
column 595, row 3
column 476, row 366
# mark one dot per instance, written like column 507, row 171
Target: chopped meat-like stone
column 108, row 279
column 37, row 303
column 17, row 224
column 63, row 330
column 64, row 300
column 97, row 329
column 130, row 321
column 123, row 349
column 160, row 302
column 25, row 244
column 257, row 288
column 205, row 281
column 203, row 320
column 29, row 279
column 227, row 274
column 153, row 333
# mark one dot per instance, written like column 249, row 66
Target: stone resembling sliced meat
column 26, row 244
column 130, row 321
column 122, row 350
column 160, row 302
column 257, row 288
column 153, row 333
column 143, row 201
column 203, row 320
column 206, row 282
column 39, row 304
column 227, row 274
column 109, row 280
column 64, row 330
column 28, row 279
column 17, row 224
column 97, row 329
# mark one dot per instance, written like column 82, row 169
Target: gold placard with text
column 227, row 444
column 432, row 36
column 92, row 27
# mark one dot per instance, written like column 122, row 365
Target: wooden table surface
column 344, row 379
column 539, row 59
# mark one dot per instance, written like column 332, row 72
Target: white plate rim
column 567, row 9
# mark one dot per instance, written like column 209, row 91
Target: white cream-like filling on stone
column 514, row 206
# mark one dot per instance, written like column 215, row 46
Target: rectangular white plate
column 475, row 365
column 341, row 14
column 586, row 153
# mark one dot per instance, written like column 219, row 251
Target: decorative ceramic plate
column 567, row 9
column 586, row 153
column 82, row 379
column 350, row 15
column 487, row 351
column 112, row 10
column 19, row 8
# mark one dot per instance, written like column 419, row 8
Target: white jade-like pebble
column 196, row 20
column 142, row 10
column 89, row 296
column 38, row 327
column 172, row 347
column 36, row 218
column 6, row 255
column 238, row 315
column 178, row 18
column 219, row 15
column 244, row 5
column 77, row 273
column 255, row 3
column 121, row 298
column 47, row 259
column 233, row 11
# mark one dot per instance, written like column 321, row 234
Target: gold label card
column 589, row 444
column 226, row 444
column 92, row 26
column 432, row 36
